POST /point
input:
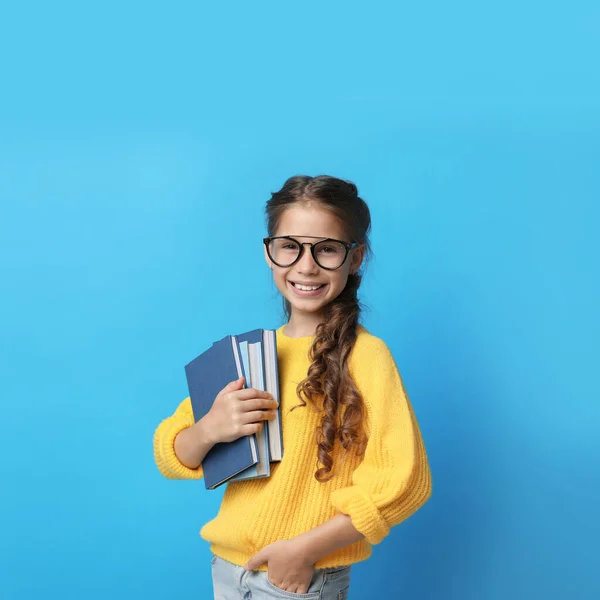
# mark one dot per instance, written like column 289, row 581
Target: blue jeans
column 231, row 582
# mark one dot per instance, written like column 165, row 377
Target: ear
column 269, row 263
column 358, row 255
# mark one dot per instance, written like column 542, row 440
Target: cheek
column 279, row 277
column 338, row 281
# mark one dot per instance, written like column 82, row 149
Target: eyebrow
column 316, row 237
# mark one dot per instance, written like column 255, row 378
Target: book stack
column 252, row 355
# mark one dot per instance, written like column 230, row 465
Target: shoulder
column 374, row 371
column 370, row 348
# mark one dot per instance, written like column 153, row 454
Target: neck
column 303, row 324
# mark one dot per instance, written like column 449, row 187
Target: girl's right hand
column 237, row 412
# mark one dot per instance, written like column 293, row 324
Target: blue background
column 138, row 145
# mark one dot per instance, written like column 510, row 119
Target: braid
column 329, row 378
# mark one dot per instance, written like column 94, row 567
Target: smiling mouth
column 307, row 288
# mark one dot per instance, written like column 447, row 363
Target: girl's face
column 300, row 221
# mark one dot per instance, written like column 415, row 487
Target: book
column 253, row 364
column 206, row 376
column 253, row 355
column 272, row 386
column 268, row 339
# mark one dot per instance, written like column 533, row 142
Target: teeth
column 307, row 288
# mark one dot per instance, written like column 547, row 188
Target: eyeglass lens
column 328, row 254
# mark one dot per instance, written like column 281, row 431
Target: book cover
column 206, row 376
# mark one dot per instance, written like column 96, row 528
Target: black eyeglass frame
column 347, row 245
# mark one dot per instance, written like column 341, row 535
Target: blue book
column 267, row 338
column 272, row 386
column 243, row 349
column 252, row 363
column 206, row 376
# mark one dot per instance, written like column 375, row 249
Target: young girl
column 354, row 463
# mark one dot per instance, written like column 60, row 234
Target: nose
column 306, row 264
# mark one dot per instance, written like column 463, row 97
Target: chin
column 306, row 307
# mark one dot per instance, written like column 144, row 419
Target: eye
column 328, row 249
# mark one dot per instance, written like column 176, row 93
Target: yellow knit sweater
column 378, row 490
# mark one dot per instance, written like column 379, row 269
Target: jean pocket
column 336, row 583
column 343, row 594
column 285, row 594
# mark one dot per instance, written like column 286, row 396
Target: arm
column 325, row 539
column 193, row 443
column 180, row 445
column 393, row 480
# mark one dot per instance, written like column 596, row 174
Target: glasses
column 328, row 253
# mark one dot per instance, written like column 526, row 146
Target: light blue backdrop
column 138, row 145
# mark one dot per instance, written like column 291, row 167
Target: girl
column 354, row 463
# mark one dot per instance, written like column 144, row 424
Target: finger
column 252, row 428
column 257, row 415
column 233, row 385
column 258, row 404
column 256, row 561
column 249, row 393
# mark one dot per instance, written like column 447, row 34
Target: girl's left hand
column 288, row 568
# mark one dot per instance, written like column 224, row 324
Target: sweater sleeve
column 164, row 440
column 393, row 480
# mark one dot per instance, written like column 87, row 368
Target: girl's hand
column 237, row 412
column 288, row 567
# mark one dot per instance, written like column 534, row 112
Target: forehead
column 310, row 220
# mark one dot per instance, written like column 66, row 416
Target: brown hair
column 328, row 376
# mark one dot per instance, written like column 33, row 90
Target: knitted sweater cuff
column 164, row 452
column 366, row 517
